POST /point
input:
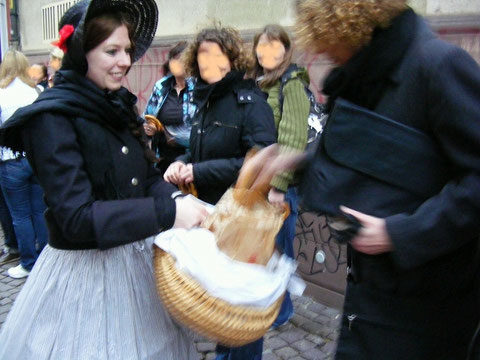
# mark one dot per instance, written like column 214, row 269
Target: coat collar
column 204, row 92
column 424, row 32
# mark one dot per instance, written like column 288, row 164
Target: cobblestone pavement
column 9, row 288
column 310, row 335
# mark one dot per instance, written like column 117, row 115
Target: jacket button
column 241, row 98
column 199, row 131
column 134, row 181
column 125, row 150
column 249, row 98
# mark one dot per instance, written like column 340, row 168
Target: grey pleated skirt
column 92, row 304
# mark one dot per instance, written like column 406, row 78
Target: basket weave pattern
column 189, row 303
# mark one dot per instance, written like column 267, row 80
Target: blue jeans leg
column 286, row 234
column 7, row 223
column 16, row 179
column 284, row 242
column 252, row 351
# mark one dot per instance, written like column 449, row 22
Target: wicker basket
column 214, row 318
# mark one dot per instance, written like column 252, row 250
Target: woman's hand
column 149, row 128
column 189, row 213
column 172, row 174
column 372, row 238
column 276, row 197
column 186, row 174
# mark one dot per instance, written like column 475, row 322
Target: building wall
column 31, row 25
column 3, row 28
column 183, row 21
column 447, row 7
column 175, row 21
column 458, row 23
column 241, row 14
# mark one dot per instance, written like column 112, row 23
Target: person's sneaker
column 18, row 272
column 8, row 255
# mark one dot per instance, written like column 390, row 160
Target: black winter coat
column 233, row 116
column 420, row 300
column 98, row 186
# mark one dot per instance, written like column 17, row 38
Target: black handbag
column 372, row 164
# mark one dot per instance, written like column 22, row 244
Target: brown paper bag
column 245, row 224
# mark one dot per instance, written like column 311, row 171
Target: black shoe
column 8, row 256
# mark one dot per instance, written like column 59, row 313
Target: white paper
column 236, row 282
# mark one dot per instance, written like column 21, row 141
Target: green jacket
column 291, row 123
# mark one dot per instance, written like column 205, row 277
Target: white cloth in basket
column 236, row 282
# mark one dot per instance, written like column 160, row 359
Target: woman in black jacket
column 91, row 293
column 401, row 150
column 232, row 117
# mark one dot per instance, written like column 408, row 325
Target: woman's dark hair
column 44, row 70
column 174, row 52
column 97, row 31
column 273, row 32
column 229, row 41
column 101, row 27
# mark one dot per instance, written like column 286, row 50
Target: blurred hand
column 172, row 174
column 189, row 213
column 150, row 129
column 186, row 174
column 276, row 197
column 372, row 238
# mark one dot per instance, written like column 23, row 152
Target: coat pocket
column 384, row 149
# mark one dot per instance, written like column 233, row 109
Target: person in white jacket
column 23, row 195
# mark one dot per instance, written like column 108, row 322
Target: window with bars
column 51, row 15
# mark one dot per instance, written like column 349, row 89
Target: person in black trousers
column 400, row 154
column 233, row 116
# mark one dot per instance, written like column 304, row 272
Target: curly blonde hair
column 349, row 22
column 229, row 41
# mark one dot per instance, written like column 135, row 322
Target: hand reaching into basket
column 189, row 213
column 244, row 222
column 261, row 166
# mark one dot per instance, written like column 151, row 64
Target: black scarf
column 74, row 96
column 205, row 92
column 363, row 79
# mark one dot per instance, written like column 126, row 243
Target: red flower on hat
column 65, row 32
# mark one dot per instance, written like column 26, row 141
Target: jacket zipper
column 200, row 132
column 218, row 123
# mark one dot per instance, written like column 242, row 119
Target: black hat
column 144, row 19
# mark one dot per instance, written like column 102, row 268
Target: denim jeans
column 7, row 224
column 24, row 198
column 286, row 234
column 252, row 351
column 284, row 242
